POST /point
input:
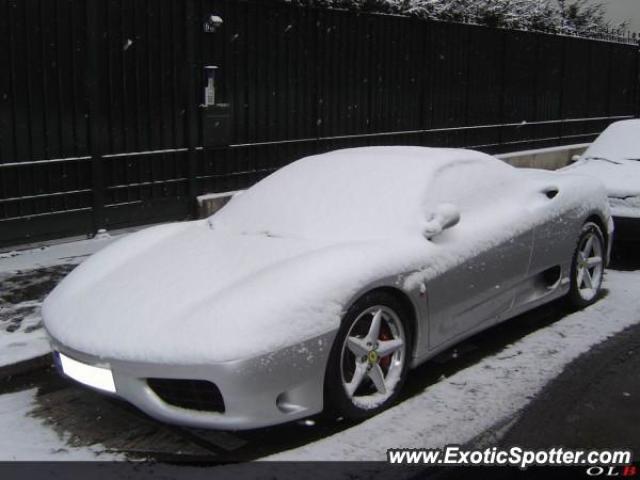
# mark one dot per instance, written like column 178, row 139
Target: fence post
column 97, row 128
column 503, row 87
column 637, row 85
column 190, row 84
column 561, row 101
column 610, row 72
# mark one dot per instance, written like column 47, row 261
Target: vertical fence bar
column 503, row 85
column 97, row 131
column 563, row 72
column 190, row 83
column 609, row 79
column 467, row 86
column 533, row 133
column 637, row 85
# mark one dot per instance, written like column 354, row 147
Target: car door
column 474, row 293
column 556, row 234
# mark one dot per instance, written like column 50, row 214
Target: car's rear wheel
column 370, row 357
column 587, row 267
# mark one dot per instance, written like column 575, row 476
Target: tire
column 381, row 377
column 587, row 266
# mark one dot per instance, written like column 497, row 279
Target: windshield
column 335, row 195
column 361, row 193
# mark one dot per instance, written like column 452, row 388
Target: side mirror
column 445, row 216
column 574, row 158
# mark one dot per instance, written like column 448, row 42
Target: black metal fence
column 105, row 120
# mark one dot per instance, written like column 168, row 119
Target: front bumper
column 266, row 390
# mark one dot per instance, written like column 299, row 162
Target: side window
column 465, row 184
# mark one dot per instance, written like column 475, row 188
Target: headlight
column 96, row 377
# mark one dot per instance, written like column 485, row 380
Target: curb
column 25, row 367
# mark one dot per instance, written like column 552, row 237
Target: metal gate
column 120, row 112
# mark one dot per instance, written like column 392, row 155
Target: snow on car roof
column 369, row 192
column 621, row 140
column 614, row 159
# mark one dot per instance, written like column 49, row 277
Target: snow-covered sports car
column 614, row 159
column 323, row 284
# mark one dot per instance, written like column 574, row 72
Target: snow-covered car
column 323, row 284
column 614, row 158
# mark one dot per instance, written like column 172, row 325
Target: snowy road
column 27, row 437
column 453, row 398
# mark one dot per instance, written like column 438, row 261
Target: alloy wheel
column 590, row 266
column 373, row 356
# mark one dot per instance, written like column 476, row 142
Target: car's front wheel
column 587, row 267
column 370, row 357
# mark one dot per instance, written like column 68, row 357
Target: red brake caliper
column 385, row 334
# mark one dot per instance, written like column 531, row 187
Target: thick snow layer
column 459, row 408
column 184, row 293
column 281, row 262
column 619, row 141
column 628, row 207
column 614, row 159
column 621, row 179
column 25, row 438
column 377, row 192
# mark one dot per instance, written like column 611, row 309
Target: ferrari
column 321, row 286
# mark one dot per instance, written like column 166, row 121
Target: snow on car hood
column 186, row 294
column 620, row 177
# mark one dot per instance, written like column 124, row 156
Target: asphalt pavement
column 595, row 402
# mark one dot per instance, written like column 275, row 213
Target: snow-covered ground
column 68, row 253
column 28, row 341
column 26, row 277
column 24, row 437
column 459, row 408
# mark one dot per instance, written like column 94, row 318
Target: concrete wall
column 210, row 203
column 546, row 158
